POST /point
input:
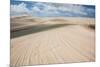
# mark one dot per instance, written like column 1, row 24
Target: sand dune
column 72, row 42
column 18, row 23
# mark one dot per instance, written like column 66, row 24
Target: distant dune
column 22, row 22
column 36, row 40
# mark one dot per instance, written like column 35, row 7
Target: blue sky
column 43, row 9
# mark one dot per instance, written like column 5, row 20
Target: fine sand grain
column 72, row 42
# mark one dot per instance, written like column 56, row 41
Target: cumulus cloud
column 50, row 9
column 19, row 9
column 73, row 9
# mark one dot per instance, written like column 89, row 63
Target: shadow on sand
column 35, row 29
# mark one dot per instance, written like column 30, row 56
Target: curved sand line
column 67, row 44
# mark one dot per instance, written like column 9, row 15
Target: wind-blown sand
column 58, row 40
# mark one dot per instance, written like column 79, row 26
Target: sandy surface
column 64, row 44
column 23, row 22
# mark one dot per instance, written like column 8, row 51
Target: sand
column 71, row 41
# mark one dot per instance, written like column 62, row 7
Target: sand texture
column 51, row 40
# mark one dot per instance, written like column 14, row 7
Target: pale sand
column 66, row 44
column 18, row 23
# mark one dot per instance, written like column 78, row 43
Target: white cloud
column 77, row 9
column 19, row 9
column 49, row 9
column 46, row 9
